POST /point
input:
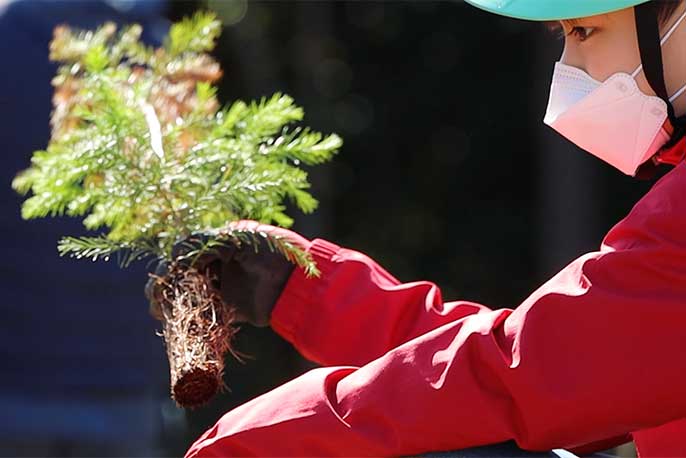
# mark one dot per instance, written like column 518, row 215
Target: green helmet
column 552, row 10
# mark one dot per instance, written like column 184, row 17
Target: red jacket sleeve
column 357, row 311
column 594, row 353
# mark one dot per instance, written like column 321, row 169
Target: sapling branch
column 143, row 151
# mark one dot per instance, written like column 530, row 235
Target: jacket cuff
column 301, row 292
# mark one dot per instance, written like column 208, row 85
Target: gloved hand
column 249, row 280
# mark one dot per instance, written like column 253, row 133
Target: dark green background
column 447, row 174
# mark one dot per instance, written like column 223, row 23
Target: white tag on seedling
column 154, row 128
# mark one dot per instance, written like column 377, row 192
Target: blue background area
column 79, row 357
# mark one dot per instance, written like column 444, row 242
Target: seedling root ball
column 198, row 331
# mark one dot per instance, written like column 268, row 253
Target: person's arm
column 357, row 302
column 594, row 353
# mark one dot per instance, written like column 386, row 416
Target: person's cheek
column 643, row 85
column 572, row 55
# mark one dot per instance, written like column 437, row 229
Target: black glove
column 249, row 280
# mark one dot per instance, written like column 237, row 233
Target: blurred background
column 447, row 174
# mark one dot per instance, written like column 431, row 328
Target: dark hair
column 665, row 9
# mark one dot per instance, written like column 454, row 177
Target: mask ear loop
column 663, row 40
column 678, row 93
column 650, row 46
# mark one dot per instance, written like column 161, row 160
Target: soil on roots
column 197, row 331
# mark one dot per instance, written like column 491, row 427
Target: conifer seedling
column 141, row 148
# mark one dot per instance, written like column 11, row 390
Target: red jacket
column 596, row 353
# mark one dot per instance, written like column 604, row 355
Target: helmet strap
column 648, row 30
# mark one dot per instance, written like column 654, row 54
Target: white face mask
column 612, row 120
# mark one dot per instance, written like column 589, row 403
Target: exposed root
column 198, row 332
